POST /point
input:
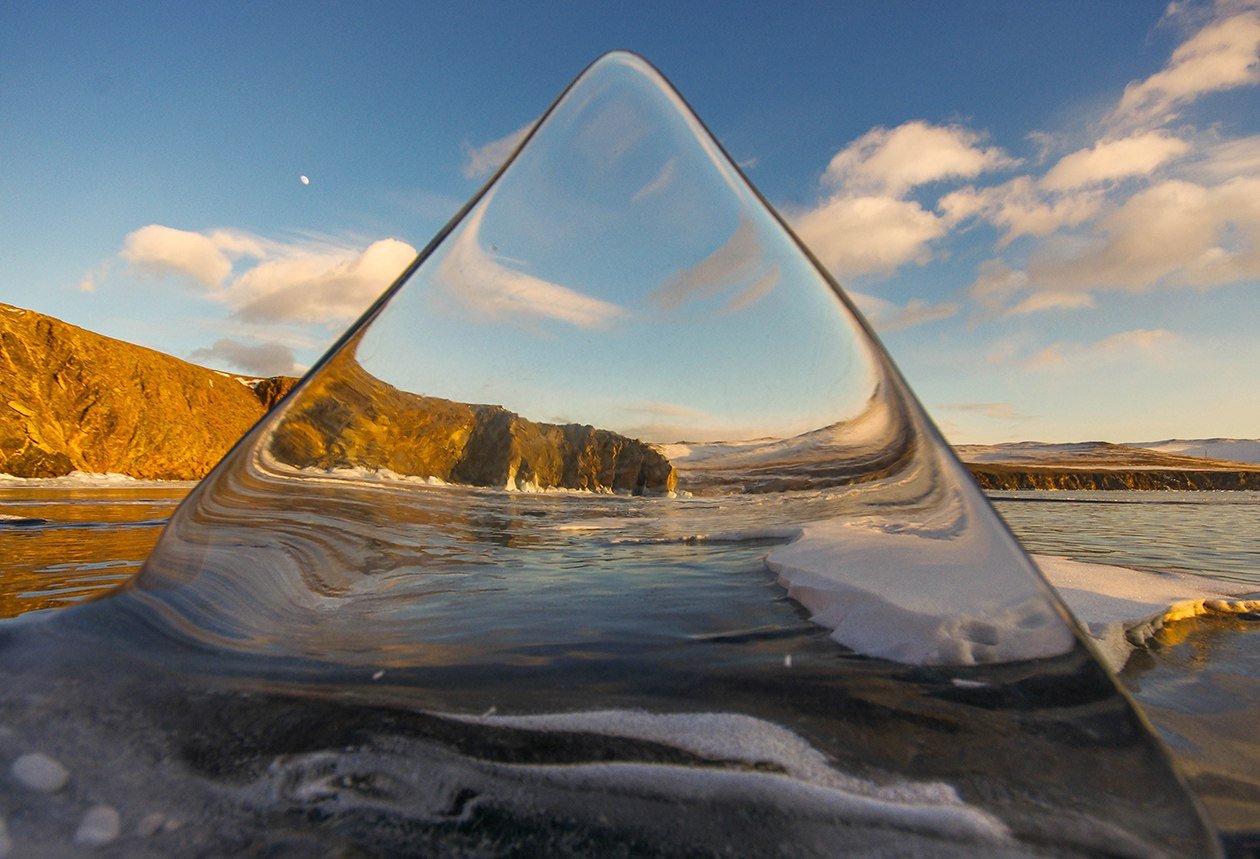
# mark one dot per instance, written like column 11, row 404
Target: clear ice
column 610, row 527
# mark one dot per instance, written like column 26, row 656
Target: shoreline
column 1003, row 477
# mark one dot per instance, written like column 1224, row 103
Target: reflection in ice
column 610, row 527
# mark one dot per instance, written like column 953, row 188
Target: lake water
column 1198, row 686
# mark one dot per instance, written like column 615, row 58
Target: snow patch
column 89, row 480
column 807, row 776
column 1123, row 608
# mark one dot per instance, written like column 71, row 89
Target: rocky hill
column 347, row 418
column 72, row 400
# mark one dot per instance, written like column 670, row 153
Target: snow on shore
column 878, row 592
column 1123, row 608
column 86, row 480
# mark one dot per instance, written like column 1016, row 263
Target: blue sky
column 1051, row 212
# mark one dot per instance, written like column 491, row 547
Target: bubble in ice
column 40, row 772
column 99, row 827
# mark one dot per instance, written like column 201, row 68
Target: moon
column 305, row 181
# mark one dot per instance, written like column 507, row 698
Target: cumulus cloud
column 1139, row 209
column 1175, row 233
column 853, row 236
column 893, row 161
column 323, row 282
column 161, row 250
column 865, row 224
column 255, row 359
column 1223, row 55
column 1110, row 160
column 322, row 286
column 1126, row 344
column 1019, row 208
column 481, row 161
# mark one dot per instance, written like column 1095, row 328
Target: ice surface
column 100, row 826
column 40, row 772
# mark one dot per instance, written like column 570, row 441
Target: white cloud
column 854, row 236
column 255, row 359
column 997, row 284
column 322, row 282
column 658, row 184
column 893, row 161
column 865, row 225
column 740, row 263
column 1175, row 233
column 1019, row 208
column 481, row 161
column 1109, row 160
column 1143, row 341
column 1222, row 55
column 887, row 316
column 87, row 284
column 1048, row 300
column 1216, row 162
column 298, row 284
column 481, row 282
column 994, row 411
column 161, row 250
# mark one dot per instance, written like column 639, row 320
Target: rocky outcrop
column 993, row 476
column 71, row 400
column 346, row 418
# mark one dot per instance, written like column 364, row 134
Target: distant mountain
column 1233, row 449
column 1102, row 465
column 72, row 400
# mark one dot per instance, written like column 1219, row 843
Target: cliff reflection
column 347, row 418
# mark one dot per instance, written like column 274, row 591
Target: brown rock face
column 346, row 418
column 73, row 400
column 997, row 476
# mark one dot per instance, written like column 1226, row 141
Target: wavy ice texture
column 620, row 324
column 932, row 807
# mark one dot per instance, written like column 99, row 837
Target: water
column 76, row 542
column 1203, row 533
column 672, row 602
column 1199, row 683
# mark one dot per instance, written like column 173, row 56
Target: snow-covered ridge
column 1201, row 453
column 1231, row 449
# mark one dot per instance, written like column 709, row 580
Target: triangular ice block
column 617, row 489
